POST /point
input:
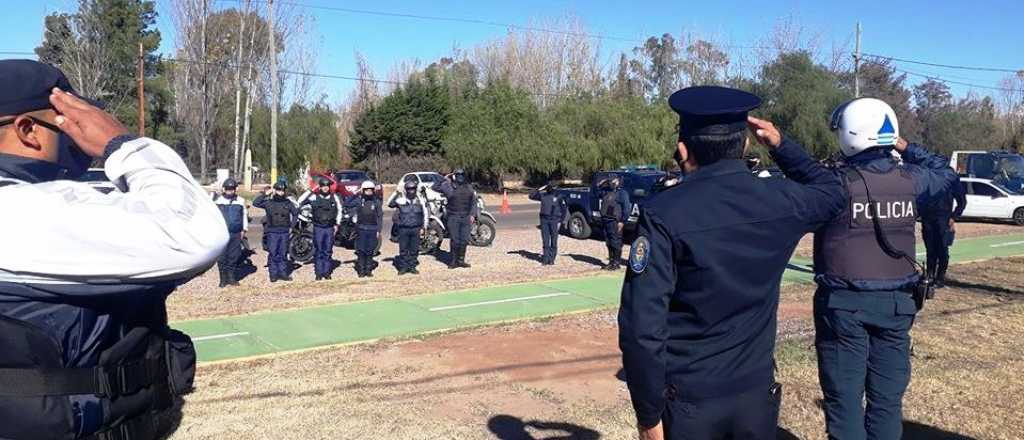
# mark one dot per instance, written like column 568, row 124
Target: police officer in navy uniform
column 615, row 209
column 85, row 349
column 866, row 270
column 411, row 216
column 369, row 221
column 938, row 229
column 462, row 211
column 232, row 207
column 281, row 215
column 327, row 211
column 552, row 211
column 698, row 313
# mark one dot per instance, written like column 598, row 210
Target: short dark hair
column 710, row 148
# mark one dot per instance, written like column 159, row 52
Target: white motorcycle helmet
column 864, row 123
column 367, row 184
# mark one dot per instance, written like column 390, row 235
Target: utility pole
column 273, row 93
column 142, row 92
column 856, row 66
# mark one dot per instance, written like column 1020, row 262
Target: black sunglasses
column 35, row 120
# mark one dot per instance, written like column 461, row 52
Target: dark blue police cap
column 712, row 110
column 25, row 86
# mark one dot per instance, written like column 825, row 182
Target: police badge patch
column 639, row 255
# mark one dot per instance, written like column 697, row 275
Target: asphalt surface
column 523, row 216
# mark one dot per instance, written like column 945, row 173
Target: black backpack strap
column 142, row 427
column 112, row 381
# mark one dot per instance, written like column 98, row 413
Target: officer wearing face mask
column 615, row 208
column 85, row 349
column 462, row 211
column 281, row 215
column 411, row 215
column 369, row 219
column 700, row 300
column 327, row 212
column 552, row 211
column 232, row 207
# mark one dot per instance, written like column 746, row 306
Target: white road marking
column 1012, row 243
column 226, row 335
column 500, row 301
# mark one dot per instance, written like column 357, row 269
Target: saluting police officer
column 462, row 211
column 615, row 209
column 411, row 215
column 866, row 270
column 232, row 207
column 85, row 349
column 281, row 215
column 938, row 229
column 369, row 220
column 327, row 214
column 552, row 211
column 699, row 303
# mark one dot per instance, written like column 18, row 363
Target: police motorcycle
column 481, row 233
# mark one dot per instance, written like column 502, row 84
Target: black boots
column 365, row 266
column 458, row 258
column 940, row 274
column 613, row 260
column 228, row 278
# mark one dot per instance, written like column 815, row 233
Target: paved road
column 523, row 216
column 289, row 330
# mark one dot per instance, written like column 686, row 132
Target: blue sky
column 976, row 33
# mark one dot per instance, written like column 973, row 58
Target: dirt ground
column 557, row 378
column 513, row 258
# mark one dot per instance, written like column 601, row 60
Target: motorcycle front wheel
column 482, row 232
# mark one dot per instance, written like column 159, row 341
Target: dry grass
column 492, row 382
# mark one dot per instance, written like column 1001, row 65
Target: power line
column 947, row 66
column 948, row 81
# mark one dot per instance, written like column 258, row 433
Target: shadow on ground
column 532, row 256
column 506, row 427
column 917, row 431
column 586, row 259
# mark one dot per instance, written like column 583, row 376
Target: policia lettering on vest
column 870, row 286
column 85, row 348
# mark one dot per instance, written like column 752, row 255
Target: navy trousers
column 408, row 248
column 549, row 237
column 277, row 247
column 458, row 230
column 864, row 351
column 937, row 240
column 750, row 415
column 366, row 249
column 228, row 262
column 323, row 247
column 613, row 239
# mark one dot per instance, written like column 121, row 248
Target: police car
column 991, row 200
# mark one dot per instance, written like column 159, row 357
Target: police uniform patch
column 639, row 254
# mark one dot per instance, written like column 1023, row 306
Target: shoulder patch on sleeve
column 639, row 254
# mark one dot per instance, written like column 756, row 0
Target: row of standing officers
column 411, row 215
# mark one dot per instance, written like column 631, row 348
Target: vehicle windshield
column 94, row 176
column 1009, row 174
column 430, row 177
column 1006, row 186
column 349, row 175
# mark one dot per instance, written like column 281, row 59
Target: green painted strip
column 289, row 330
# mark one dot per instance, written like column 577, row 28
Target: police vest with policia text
column 848, row 248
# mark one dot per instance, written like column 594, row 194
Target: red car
column 343, row 182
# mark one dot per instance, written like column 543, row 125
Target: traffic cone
column 506, row 208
